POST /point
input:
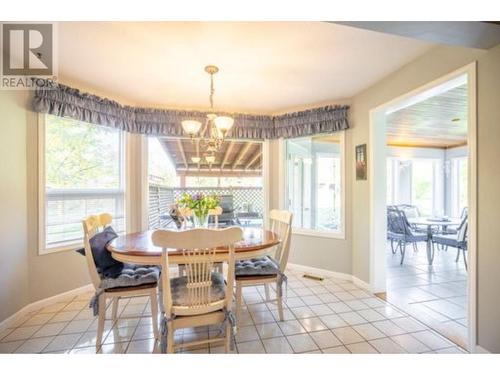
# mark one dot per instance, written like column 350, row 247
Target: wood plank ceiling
column 439, row 121
column 235, row 158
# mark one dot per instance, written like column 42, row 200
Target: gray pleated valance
column 69, row 102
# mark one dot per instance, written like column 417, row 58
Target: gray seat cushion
column 263, row 266
column 132, row 275
column 413, row 237
column 417, row 237
column 180, row 296
column 395, row 236
column 448, row 240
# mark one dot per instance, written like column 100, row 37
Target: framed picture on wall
column 361, row 164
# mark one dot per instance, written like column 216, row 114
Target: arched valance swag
column 65, row 101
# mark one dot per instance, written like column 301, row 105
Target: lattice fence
column 246, row 199
column 160, row 199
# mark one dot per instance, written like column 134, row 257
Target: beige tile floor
column 436, row 295
column 332, row 316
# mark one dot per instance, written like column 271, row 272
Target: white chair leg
column 114, row 311
column 266, row 288
column 100, row 323
column 154, row 314
column 239, row 302
column 279, row 301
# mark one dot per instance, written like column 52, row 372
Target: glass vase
column 200, row 221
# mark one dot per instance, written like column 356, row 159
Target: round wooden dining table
column 138, row 247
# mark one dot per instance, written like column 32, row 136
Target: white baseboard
column 11, row 320
column 480, row 350
column 362, row 284
column 327, row 273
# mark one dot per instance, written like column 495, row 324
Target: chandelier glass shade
column 210, row 135
column 191, row 127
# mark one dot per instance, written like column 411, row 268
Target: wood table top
column 140, row 243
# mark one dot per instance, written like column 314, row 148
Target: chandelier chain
column 212, row 91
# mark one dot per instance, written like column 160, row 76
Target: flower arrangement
column 199, row 204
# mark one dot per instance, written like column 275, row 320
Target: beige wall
column 488, row 145
column 14, row 290
column 437, row 63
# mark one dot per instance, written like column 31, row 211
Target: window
column 458, row 185
column 416, row 181
column 81, row 173
column 391, row 175
column 314, row 168
column 422, row 186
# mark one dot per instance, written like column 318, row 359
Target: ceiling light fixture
column 210, row 159
column 212, row 134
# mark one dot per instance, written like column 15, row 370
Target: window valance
column 66, row 101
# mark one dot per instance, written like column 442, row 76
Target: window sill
column 62, row 248
column 317, row 233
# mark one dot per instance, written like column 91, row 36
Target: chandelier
column 210, row 135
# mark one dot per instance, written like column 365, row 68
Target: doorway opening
column 423, row 204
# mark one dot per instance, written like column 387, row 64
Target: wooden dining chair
column 201, row 297
column 91, row 226
column 267, row 270
column 187, row 213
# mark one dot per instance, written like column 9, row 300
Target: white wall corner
column 15, row 318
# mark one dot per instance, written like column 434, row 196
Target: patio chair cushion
column 105, row 263
column 132, row 275
column 414, row 237
column 395, row 236
column 448, row 240
column 417, row 237
column 180, row 296
column 263, row 266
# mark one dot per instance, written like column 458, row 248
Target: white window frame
column 455, row 185
column 283, row 169
column 69, row 246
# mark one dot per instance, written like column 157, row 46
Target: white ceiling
column 265, row 67
column 439, row 120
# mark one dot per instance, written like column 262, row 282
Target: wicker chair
column 457, row 240
column 400, row 231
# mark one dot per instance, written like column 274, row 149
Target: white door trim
column 377, row 166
